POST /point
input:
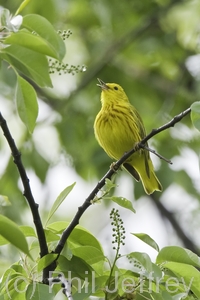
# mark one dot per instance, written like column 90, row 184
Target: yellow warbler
column 118, row 128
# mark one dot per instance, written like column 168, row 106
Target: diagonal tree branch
column 109, row 175
column 27, row 190
column 75, row 221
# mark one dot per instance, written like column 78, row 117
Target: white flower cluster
column 9, row 23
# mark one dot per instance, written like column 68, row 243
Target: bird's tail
column 151, row 184
column 149, row 180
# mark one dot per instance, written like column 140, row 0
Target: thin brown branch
column 171, row 123
column 155, row 153
column 27, row 190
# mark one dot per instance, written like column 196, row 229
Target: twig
column 171, row 123
column 156, row 153
column 27, row 190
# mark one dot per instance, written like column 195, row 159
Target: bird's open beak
column 102, row 84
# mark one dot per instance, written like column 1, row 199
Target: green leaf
column 27, row 105
column 76, row 267
column 109, row 185
column 22, row 6
column 9, row 273
column 3, row 241
column 123, row 202
column 32, row 64
column 46, row 261
column 143, row 259
column 147, row 239
column 195, row 114
column 188, row 275
column 11, row 232
column 13, row 285
column 90, row 254
column 156, row 272
column 29, row 40
column 39, row 291
column 81, row 237
column 59, row 226
column 43, row 28
column 60, row 200
column 178, row 254
column 51, row 236
column 163, row 295
column 28, row 231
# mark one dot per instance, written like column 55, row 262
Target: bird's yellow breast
column 116, row 130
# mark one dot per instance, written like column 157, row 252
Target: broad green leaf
column 90, row 254
column 76, row 267
column 195, row 114
column 7, row 276
column 43, row 28
column 60, row 200
column 10, row 231
column 19, row 268
column 84, row 293
column 80, row 242
column 39, row 291
column 51, row 236
column 22, row 6
column 123, row 202
column 27, row 105
column 3, row 241
column 46, row 261
column 29, row 40
column 32, row 64
column 126, row 280
column 156, row 272
column 81, row 237
column 15, row 288
column 188, row 275
column 143, row 259
column 59, row 226
column 28, row 231
column 163, row 295
column 147, row 239
column 178, row 254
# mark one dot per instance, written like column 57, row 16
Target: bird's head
column 111, row 93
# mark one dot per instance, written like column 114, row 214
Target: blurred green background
column 151, row 48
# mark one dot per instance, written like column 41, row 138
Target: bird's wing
column 142, row 134
column 132, row 171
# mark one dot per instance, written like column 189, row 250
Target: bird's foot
column 137, row 146
column 114, row 168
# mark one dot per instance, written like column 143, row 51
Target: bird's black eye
column 116, row 88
